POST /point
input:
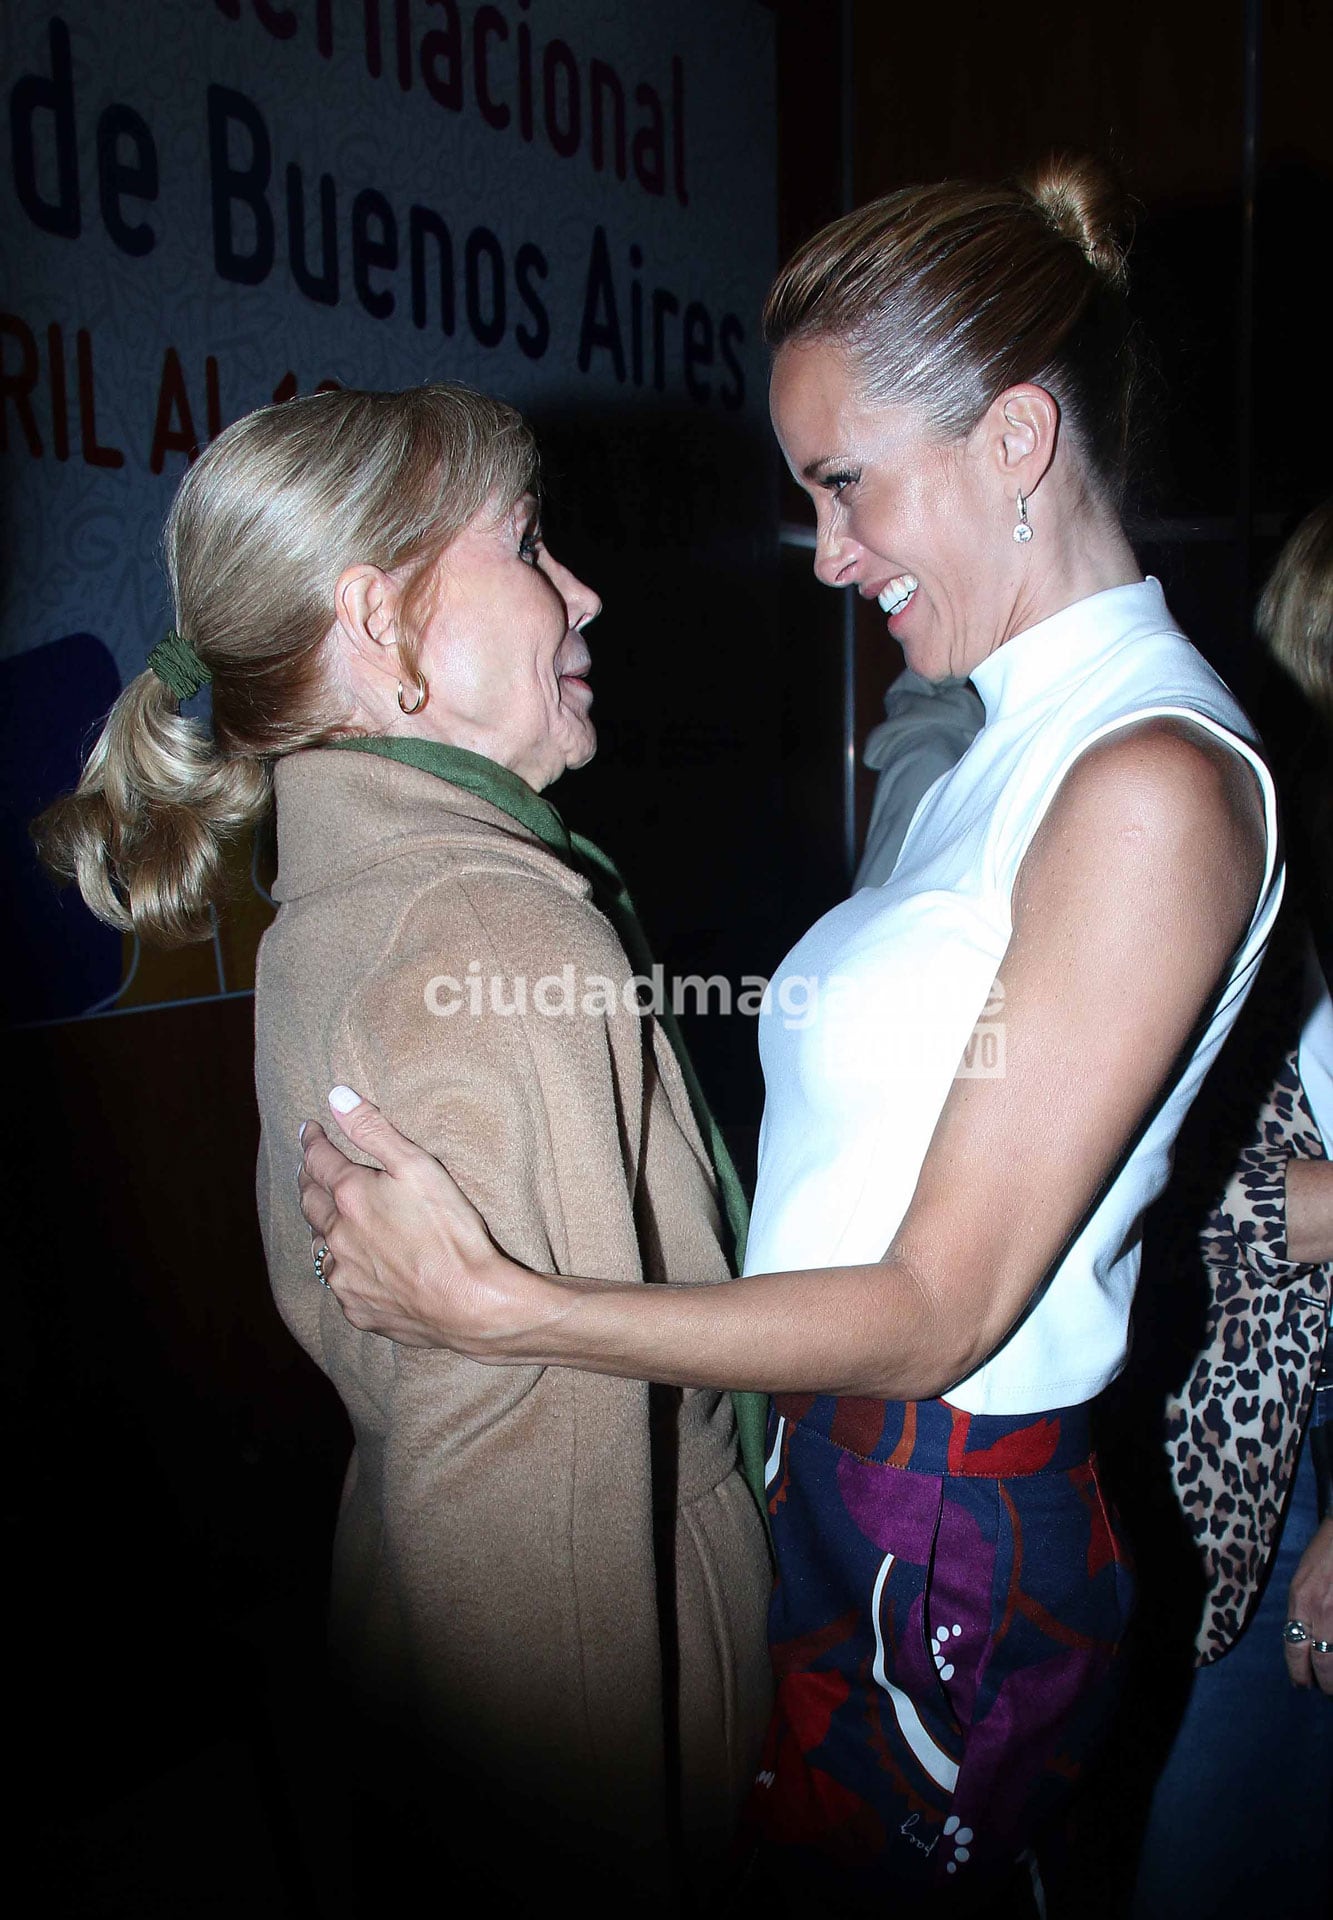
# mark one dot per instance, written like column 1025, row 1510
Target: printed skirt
column 951, row 1595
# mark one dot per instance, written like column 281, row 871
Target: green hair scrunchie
column 178, row 666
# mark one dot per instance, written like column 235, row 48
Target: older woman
column 548, row 1586
column 943, row 1258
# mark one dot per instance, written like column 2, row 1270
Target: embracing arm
column 1152, row 847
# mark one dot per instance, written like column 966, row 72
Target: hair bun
column 1085, row 201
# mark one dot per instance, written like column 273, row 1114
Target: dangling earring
column 1022, row 532
column 421, row 696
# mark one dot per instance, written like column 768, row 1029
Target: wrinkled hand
column 411, row 1257
column 1310, row 1599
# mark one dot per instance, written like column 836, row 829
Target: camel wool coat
column 553, row 1581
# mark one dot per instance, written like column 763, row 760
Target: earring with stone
column 1022, row 532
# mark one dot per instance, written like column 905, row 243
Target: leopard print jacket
column 1234, row 1430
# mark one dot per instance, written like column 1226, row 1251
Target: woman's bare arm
column 1309, row 1210
column 1128, row 907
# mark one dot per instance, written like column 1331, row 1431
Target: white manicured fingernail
column 300, row 1131
column 342, row 1099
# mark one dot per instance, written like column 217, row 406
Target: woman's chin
column 574, row 753
column 585, row 751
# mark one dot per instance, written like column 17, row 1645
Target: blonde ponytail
column 258, row 534
column 144, row 832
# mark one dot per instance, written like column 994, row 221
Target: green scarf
column 512, row 795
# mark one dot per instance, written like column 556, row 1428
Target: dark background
column 170, row 1522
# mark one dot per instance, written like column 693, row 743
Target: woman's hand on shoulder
column 410, row 1257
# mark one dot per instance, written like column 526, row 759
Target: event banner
column 213, row 204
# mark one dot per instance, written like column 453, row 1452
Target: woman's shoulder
column 503, row 922
column 1167, row 766
column 525, row 901
column 437, row 904
column 1163, row 778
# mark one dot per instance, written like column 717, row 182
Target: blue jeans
column 1242, row 1816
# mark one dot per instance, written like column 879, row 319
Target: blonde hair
column 943, row 296
column 258, row 534
column 1295, row 612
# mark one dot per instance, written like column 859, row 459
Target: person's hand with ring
column 393, row 1274
column 1309, row 1653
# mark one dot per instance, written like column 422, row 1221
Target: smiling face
column 918, row 525
column 502, row 649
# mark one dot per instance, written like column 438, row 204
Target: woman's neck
column 1084, row 551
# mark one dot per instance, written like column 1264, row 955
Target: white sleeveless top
column 866, row 1023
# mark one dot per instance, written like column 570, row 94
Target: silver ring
column 1321, row 1646
column 321, row 1254
column 1295, row 1633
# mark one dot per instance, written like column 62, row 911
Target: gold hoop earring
column 421, row 696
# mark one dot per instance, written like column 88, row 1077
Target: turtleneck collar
column 1034, row 664
column 475, row 774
